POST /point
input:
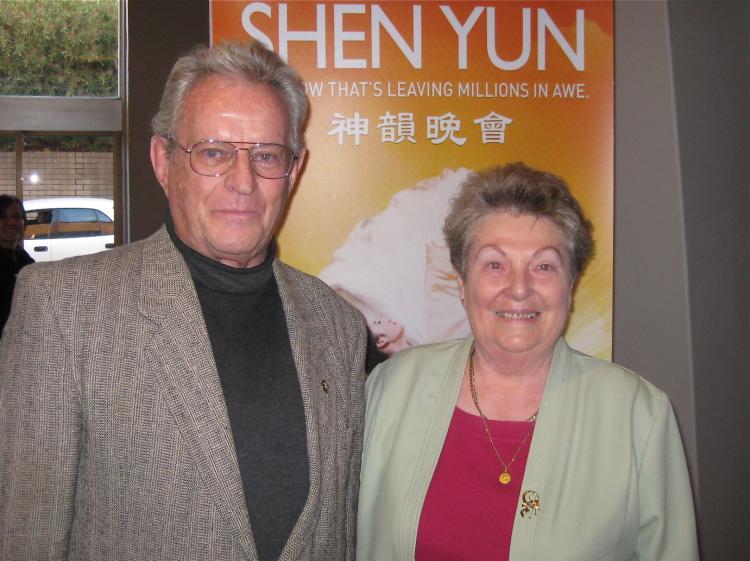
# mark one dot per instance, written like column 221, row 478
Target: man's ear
column 160, row 160
column 298, row 163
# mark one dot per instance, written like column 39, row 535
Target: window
column 38, row 224
column 76, row 223
column 65, row 49
column 67, row 166
column 60, row 100
column 66, row 223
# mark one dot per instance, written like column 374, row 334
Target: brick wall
column 61, row 174
column 8, row 173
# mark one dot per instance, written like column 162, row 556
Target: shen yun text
column 537, row 30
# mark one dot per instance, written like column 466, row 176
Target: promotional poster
column 407, row 99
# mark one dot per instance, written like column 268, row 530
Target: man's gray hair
column 250, row 61
column 520, row 189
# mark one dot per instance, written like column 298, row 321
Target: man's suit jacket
column 115, row 442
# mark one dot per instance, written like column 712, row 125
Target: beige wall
column 682, row 241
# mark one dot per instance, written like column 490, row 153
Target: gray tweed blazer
column 115, row 442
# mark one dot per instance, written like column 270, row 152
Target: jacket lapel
column 316, row 359
column 184, row 363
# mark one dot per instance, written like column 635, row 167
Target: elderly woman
column 509, row 444
column 13, row 256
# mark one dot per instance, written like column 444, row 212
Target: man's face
column 230, row 218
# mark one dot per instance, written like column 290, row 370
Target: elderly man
column 189, row 396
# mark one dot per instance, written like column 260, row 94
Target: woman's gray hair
column 519, row 189
column 251, row 61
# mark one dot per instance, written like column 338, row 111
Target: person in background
column 509, row 444
column 189, row 396
column 13, row 257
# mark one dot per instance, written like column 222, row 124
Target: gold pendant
column 504, row 478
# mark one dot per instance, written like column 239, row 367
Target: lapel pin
column 324, row 385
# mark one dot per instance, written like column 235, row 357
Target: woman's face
column 517, row 289
column 11, row 226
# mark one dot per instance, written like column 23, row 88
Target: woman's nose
column 520, row 284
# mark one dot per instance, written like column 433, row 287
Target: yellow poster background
column 557, row 106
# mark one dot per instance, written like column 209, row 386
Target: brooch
column 530, row 504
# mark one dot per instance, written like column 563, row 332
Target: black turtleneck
column 248, row 332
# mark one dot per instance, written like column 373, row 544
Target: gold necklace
column 504, row 478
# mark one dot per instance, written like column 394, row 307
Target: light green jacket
column 606, row 461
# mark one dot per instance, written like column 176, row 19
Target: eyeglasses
column 212, row 158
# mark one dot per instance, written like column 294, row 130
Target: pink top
column 467, row 514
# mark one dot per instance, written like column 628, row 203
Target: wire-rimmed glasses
column 212, row 158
